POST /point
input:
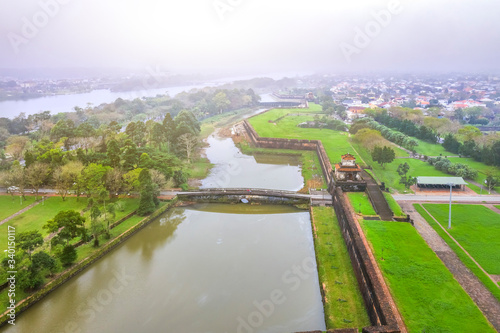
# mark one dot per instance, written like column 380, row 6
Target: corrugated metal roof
column 441, row 180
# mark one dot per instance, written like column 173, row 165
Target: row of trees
column 389, row 134
column 486, row 153
column 457, row 169
column 407, row 127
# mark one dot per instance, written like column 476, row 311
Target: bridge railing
column 246, row 190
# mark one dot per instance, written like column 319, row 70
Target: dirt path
column 19, row 212
column 493, row 208
column 486, row 302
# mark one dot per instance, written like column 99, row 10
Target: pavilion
column 435, row 183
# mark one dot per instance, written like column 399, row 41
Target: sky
column 252, row 36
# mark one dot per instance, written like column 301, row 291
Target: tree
column 131, row 180
column 491, row 182
column 43, row 261
column 187, row 142
column 113, row 152
column 383, row 155
column 145, row 162
column 221, row 101
column 147, row 203
column 96, row 228
column 36, row 175
column 129, row 155
column 68, row 255
column 29, row 240
column 93, row 178
column 168, row 128
column 114, row 181
column 16, row 145
column 67, row 224
column 406, row 180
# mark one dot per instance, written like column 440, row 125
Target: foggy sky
column 248, row 36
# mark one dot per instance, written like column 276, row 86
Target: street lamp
column 449, row 213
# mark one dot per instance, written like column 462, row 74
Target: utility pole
column 449, row 213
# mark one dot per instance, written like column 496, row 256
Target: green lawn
column 361, row 203
column 467, row 261
column 393, row 205
column 476, row 228
column 200, row 168
column 427, row 295
column 10, row 205
column 497, row 206
column 36, row 217
column 389, row 175
column 430, row 149
column 344, row 306
column 336, row 143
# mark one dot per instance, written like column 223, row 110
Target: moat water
column 201, row 268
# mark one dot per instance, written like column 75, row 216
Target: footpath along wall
column 380, row 307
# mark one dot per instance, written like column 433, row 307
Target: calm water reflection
column 209, row 268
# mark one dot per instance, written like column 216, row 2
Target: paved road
column 446, row 198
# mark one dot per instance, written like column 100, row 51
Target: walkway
column 486, row 302
column 19, row 212
column 377, row 197
column 491, row 199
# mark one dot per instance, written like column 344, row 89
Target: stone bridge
column 271, row 195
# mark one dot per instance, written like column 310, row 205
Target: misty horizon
column 229, row 37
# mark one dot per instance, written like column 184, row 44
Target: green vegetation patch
column 12, row 204
column 344, row 306
column 430, row 149
column 361, row 203
column 393, row 205
column 482, row 169
column 427, row 295
column 467, row 261
column 36, row 217
column 389, row 175
column 476, row 228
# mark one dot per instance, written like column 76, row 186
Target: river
column 66, row 103
column 201, row 268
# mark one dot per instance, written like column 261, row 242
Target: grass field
column 200, row 168
column 37, row 217
column 344, row 306
column 430, row 149
column 10, row 205
column 361, row 203
column 393, row 205
column 336, row 143
column 467, row 261
column 389, row 174
column 476, row 228
column 429, row 298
